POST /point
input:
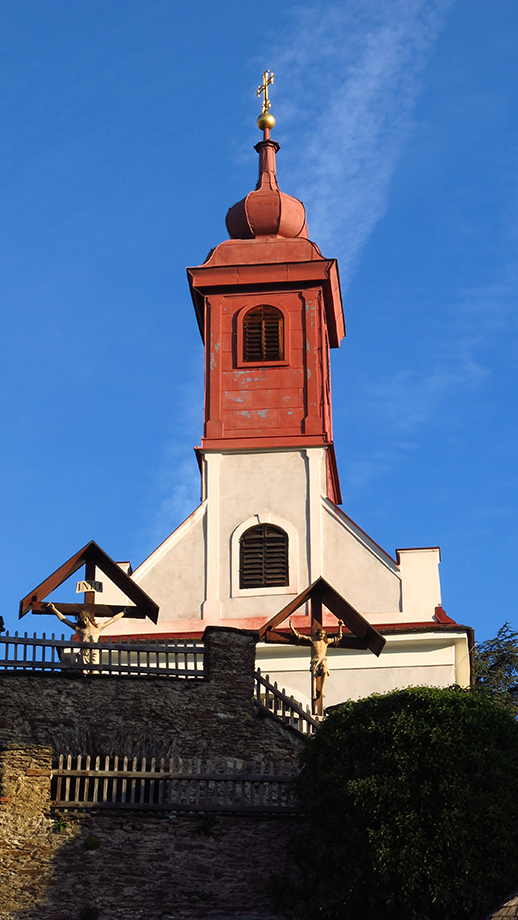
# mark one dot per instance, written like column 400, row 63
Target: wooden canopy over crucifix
column 361, row 635
column 92, row 557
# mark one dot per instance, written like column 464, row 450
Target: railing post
column 230, row 660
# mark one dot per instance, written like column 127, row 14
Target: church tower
column 269, row 309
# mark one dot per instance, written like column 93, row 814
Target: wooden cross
column 360, row 633
column 89, row 596
column 263, row 88
column 93, row 558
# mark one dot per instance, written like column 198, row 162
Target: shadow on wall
column 152, row 867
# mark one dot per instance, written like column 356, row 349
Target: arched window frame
column 275, row 521
column 240, row 318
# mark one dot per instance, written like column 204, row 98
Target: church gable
column 357, row 567
column 174, row 573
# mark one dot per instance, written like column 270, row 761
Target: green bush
column 496, row 667
column 412, row 802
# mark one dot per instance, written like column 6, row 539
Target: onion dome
column 267, row 211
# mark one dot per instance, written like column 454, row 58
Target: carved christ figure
column 88, row 630
column 319, row 641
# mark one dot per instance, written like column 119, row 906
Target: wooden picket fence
column 130, row 657
column 139, row 658
column 283, row 706
column 175, row 785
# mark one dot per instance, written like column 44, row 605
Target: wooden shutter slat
column 263, row 338
column 263, row 557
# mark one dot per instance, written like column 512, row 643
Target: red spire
column 267, row 211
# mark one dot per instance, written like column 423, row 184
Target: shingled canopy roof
column 91, row 554
column 364, row 636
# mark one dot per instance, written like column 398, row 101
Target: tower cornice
column 217, row 275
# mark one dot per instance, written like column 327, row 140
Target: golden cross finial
column 263, row 88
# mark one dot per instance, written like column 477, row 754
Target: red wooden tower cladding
column 269, row 309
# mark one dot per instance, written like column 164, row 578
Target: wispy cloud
column 400, row 406
column 405, row 402
column 352, row 76
column 362, row 470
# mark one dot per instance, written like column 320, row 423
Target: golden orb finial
column 265, row 120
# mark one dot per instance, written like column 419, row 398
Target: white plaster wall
column 421, row 586
column 190, row 574
column 110, row 593
column 356, row 685
column 462, row 661
column 291, row 483
column 430, row 659
column 361, row 572
column 174, row 577
column 177, row 580
column 256, row 484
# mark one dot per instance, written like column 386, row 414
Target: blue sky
column 126, row 133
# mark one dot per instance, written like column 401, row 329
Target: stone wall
column 68, row 865
column 154, row 865
column 151, row 717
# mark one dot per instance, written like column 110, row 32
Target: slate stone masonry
column 142, row 865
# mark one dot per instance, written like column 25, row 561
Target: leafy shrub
column 412, row 802
column 496, row 666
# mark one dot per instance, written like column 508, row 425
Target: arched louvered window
column 263, row 334
column 263, row 557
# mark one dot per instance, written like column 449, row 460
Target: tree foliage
column 496, row 666
column 412, row 804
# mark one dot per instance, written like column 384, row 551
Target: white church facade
column 269, row 524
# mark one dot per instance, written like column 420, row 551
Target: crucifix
column 360, row 634
column 319, row 640
column 263, row 88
